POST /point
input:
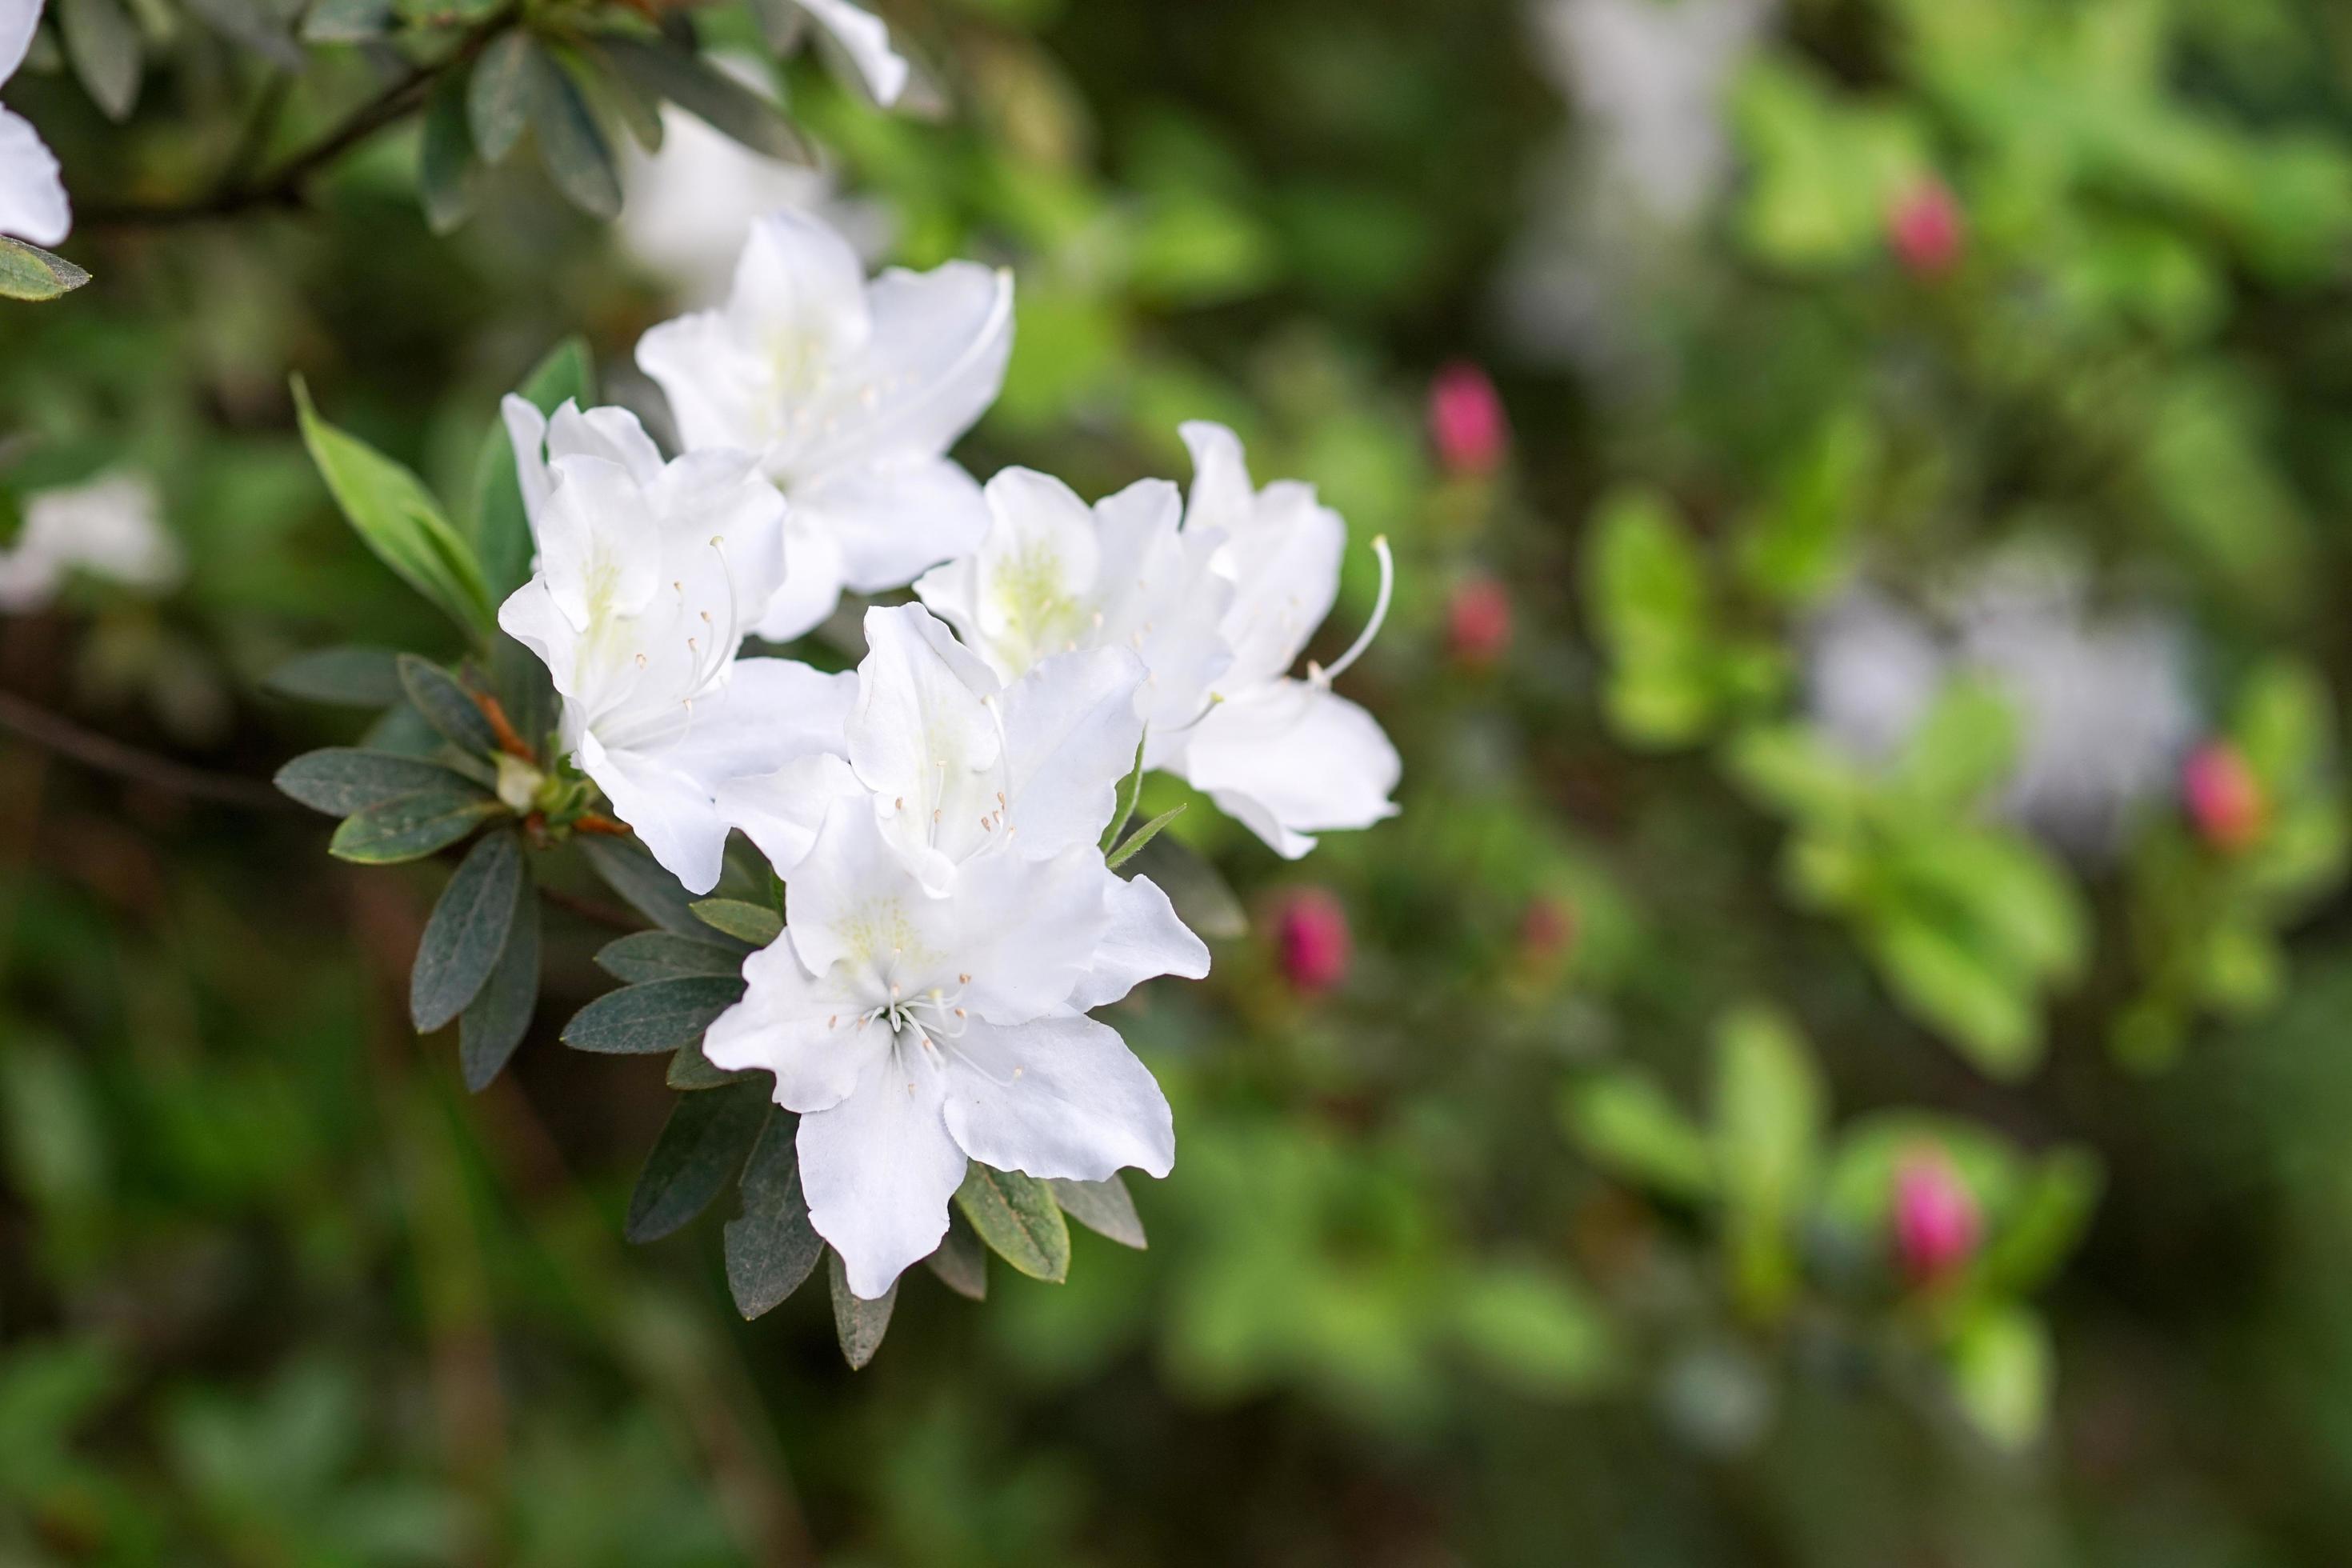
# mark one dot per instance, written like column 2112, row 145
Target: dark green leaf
column 467, row 931
column 620, row 100
column 577, row 156
column 495, row 1022
column 501, row 529
column 1143, row 835
column 245, row 23
column 1196, row 889
column 397, row 518
column 701, row 1147
column 1018, row 1218
column 498, row 99
column 961, row 1262
column 717, row 99
column 412, row 825
column 345, row 677
column 659, row 1015
column 1104, row 1207
column 858, row 1324
column 102, row 45
column 29, row 272
column 771, row 1249
column 690, row 1071
column 649, row 955
column 346, row 21
column 341, row 780
column 630, row 870
column 754, row 923
column 447, row 705
column 445, row 164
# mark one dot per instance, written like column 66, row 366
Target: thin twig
column 109, row 756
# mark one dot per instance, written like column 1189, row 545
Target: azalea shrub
column 1529, row 780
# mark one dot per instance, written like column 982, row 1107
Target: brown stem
column 109, row 756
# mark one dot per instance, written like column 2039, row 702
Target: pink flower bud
column 1926, row 228
column 1467, row 423
column 1935, row 1218
column 1547, row 928
column 2225, row 799
column 1311, row 939
column 1478, row 621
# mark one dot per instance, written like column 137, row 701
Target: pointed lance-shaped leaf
column 348, row 677
column 341, row 780
column 631, row 871
column 661, row 1015
column 659, row 955
column 497, row 96
column 445, row 158
column 466, row 933
column 961, row 1262
column 771, row 1247
column 1143, row 835
column 27, row 272
column 701, row 1147
column 1017, row 1217
column 501, row 529
column 754, row 923
column 447, row 705
column 1104, row 1207
column 721, row 102
column 858, row 1324
column 411, row 826
column 577, row 156
column 496, row 1020
column 102, row 45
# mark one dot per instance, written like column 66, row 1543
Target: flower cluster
column 939, row 814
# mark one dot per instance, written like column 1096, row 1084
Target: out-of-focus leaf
column 1017, row 1217
column 1532, row 1330
column 659, row 955
column 341, row 780
column 717, row 99
column 495, row 1022
column 345, row 677
column 1105, row 1207
column 1942, row 979
column 411, row 826
column 103, row 47
column 754, row 923
column 1768, row 1122
column 248, row 23
column 659, row 1015
column 2002, row 1372
column 501, row 528
column 446, row 175
column 620, row 101
column 346, row 21
column 859, row 1324
column 701, row 1147
column 467, row 931
column 2047, row 1221
column 770, row 1248
column 497, row 96
column 631, row 871
column 573, row 149
column 447, row 705
column 1627, row 1125
column 29, row 272
column 961, row 1262
column 1195, row 889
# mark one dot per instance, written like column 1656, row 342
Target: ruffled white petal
column 771, row 712
column 1291, row 759
column 17, row 20
column 33, row 205
column 933, row 363
column 879, row 1168
column 780, row 810
column 867, row 41
column 1144, row 940
column 1071, row 730
column 800, row 1027
column 891, row 519
column 1057, row 1098
column 1026, row 931
column 853, row 901
column 811, row 585
column 672, row 813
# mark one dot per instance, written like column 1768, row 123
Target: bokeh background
column 1841, row 1061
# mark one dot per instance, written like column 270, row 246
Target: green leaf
column 445, row 159
column 754, row 923
column 1768, row 1126
column 647, row 955
column 29, row 272
column 2002, row 1371
column 772, row 1248
column 1197, row 890
column 466, row 933
column 2048, row 1221
column 1978, row 1004
column 1532, row 1328
column 1145, row 835
column 495, row 1022
column 349, row 677
column 498, row 98
column 573, row 149
column 248, row 23
column 447, row 705
column 858, row 1324
column 961, row 1262
column 341, row 780
column 1627, row 1125
column 659, row 1015
column 411, row 826
column 103, row 47
column 501, row 528
column 701, row 1147
column 630, row 870
column 1104, row 1207
column 397, row 518
column 690, row 1071
column 1017, row 1217
column 1651, row 607
column 346, row 21
column 726, row 105
column 617, row 99
column 1130, row 792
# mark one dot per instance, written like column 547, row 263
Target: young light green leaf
column 659, row 1015
column 726, row 105
column 1626, row 1125
column 445, row 157
column 701, row 1147
column 1130, row 792
column 2002, row 1370
column 1017, row 1217
column 447, row 705
column 573, row 149
column 495, row 1022
column 772, row 1248
column 961, row 1262
column 754, row 923
column 397, row 518
column 631, row 871
column 858, row 1324
column 498, row 98
column 1143, row 835
column 29, row 272
column 350, row 676
column 103, row 47
column 341, row 780
column 1104, row 1207
column 467, row 931
column 1768, row 1122
column 647, row 955
column 411, row 826
column 501, row 530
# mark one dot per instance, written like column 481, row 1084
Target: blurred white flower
column 33, row 205
column 690, row 205
column 2104, row 702
column 850, row 393
column 867, row 41
column 111, row 528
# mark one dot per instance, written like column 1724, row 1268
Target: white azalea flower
column 851, row 393
column 1051, row 577
column 33, row 205
column 918, row 1026
column 866, row 40
column 646, row 574
column 111, row 528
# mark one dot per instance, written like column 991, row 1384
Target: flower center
column 934, row 1011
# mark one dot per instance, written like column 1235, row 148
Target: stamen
column 1324, row 677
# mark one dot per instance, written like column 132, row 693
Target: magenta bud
column 1311, row 940
column 1478, row 621
column 2224, row 797
column 1926, row 228
column 1937, row 1224
column 1467, row 422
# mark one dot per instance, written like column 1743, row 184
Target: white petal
column 854, row 901
column 17, row 20
column 1059, row 1097
column 951, row 591
column 1285, row 567
column 800, row 1027
column 799, row 286
column 1146, row 939
column 1222, row 495
column 1026, row 931
column 771, row 712
column 890, row 521
column 613, row 434
column 717, row 390
column 717, row 501
column 867, row 41
column 920, row 737
column 933, row 363
column 598, row 548
column 671, row 812
column 1292, row 759
column 1071, row 730
column 1038, row 568
column 33, row 205
column 811, row 585
column 782, row 811
column 527, row 434
column 879, row 1168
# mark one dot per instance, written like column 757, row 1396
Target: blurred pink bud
column 1311, row 939
column 1478, row 621
column 1926, row 228
column 1935, row 1218
column 1467, row 423
column 1547, row 927
column 2225, row 798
